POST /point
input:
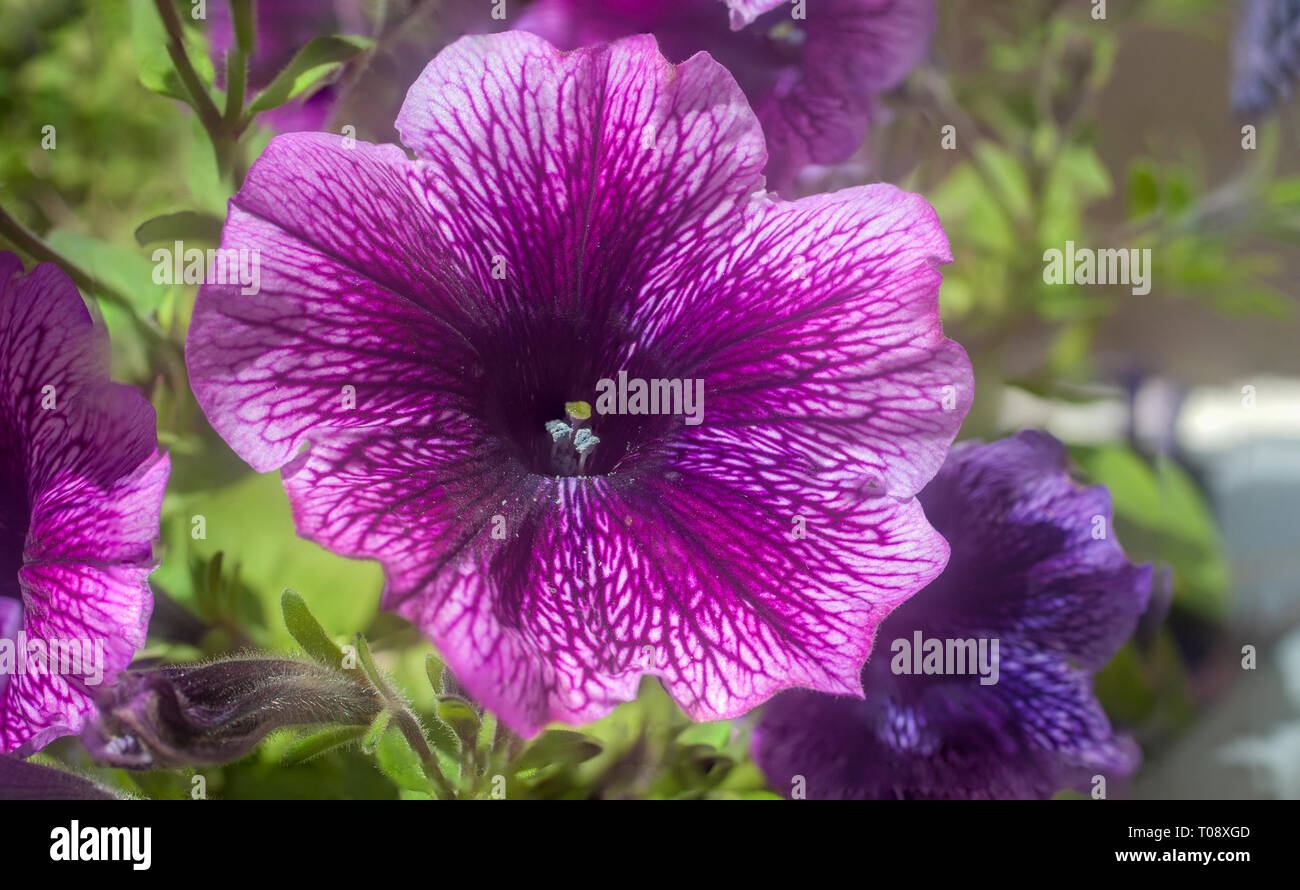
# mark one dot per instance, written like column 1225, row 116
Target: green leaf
column 442, row 737
column 377, row 728
column 120, row 268
column 399, row 762
column 715, row 734
column 205, row 186
column 1082, row 167
column 487, row 733
column 702, row 766
column 318, row 743
column 966, row 197
column 252, row 523
column 371, row 670
column 153, row 63
column 1147, row 688
column 225, row 603
column 1076, row 180
column 1070, row 349
column 317, row 59
column 1007, row 174
column 1043, row 142
column 559, row 746
column 1180, row 193
column 1255, row 300
column 1283, row 192
column 433, row 668
column 460, row 715
column 131, row 359
column 744, row 795
column 1162, row 517
column 1143, row 189
column 1049, row 388
column 1162, row 498
column 307, row 631
column 187, row 225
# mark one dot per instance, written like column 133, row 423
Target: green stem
column 25, row 240
column 241, row 15
column 203, row 105
column 410, row 727
column 223, row 136
column 405, row 720
column 236, row 80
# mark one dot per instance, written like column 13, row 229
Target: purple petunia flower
column 811, row 70
column 1036, row 568
column 443, row 336
column 82, row 483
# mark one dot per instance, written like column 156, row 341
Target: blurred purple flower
column 286, row 26
column 424, row 328
column 1035, row 565
column 283, row 27
column 81, row 482
column 1266, row 55
column 812, row 81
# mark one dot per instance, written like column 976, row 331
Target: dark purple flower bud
column 216, row 713
column 21, row 780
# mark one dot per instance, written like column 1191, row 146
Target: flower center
column 786, row 39
column 535, row 389
column 572, row 440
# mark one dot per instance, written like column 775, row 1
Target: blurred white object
column 1274, row 759
column 1214, row 419
column 1246, row 747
